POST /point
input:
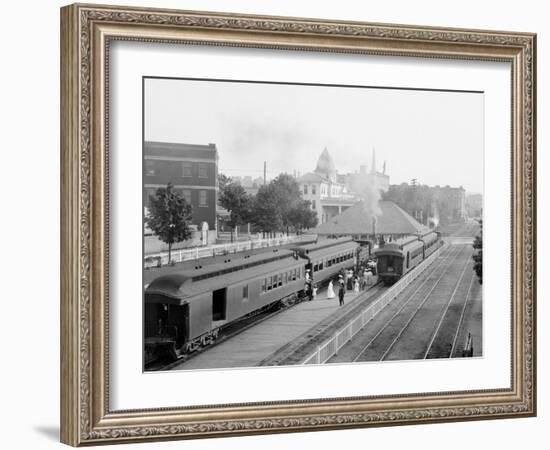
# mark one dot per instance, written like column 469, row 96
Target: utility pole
column 265, row 171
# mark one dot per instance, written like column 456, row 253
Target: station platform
column 250, row 347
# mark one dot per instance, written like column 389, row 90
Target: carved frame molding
column 86, row 31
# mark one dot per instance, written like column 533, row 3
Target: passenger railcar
column 396, row 258
column 188, row 307
column 185, row 310
column 328, row 257
column 431, row 240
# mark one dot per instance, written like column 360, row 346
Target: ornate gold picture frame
column 87, row 32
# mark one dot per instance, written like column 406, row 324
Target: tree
column 288, row 198
column 265, row 210
column 169, row 217
column 278, row 206
column 418, row 200
column 234, row 198
column 302, row 216
column 223, row 180
column 478, row 254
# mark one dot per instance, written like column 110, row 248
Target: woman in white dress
column 356, row 286
column 330, row 290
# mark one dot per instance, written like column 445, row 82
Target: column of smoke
column 369, row 192
column 435, row 219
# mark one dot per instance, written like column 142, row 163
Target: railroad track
column 294, row 352
column 400, row 314
column 444, row 338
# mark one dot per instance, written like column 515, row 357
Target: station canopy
column 358, row 220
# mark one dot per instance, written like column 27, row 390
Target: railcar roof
column 427, row 233
column 180, row 286
column 241, row 263
column 150, row 274
column 324, row 243
column 413, row 245
column 407, row 243
column 344, row 247
column 405, row 240
column 429, row 236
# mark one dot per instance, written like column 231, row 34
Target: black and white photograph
column 289, row 224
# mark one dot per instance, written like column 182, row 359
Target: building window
column 187, row 195
column 203, row 199
column 314, row 189
column 203, row 170
column 313, row 206
column 305, row 188
column 149, row 167
column 187, row 169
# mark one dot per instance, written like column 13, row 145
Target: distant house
column 327, row 195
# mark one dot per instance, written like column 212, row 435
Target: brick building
column 192, row 169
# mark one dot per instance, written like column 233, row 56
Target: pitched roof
column 357, row 219
column 311, row 177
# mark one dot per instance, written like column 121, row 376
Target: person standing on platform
column 349, row 280
column 330, row 290
column 341, row 291
column 356, row 286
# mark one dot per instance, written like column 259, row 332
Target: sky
column 432, row 136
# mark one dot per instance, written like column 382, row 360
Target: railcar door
column 177, row 323
column 219, row 304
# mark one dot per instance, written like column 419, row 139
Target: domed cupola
column 325, row 166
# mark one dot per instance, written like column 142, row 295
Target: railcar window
column 280, row 279
column 315, row 268
column 321, row 266
column 269, row 283
column 264, row 281
column 245, row 292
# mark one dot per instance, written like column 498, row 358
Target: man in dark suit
column 341, row 292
